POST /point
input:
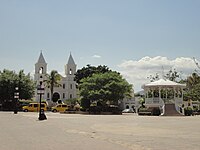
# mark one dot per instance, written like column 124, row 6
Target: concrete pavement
column 23, row 131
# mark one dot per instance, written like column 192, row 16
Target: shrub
column 95, row 110
column 144, row 111
column 188, row 111
column 114, row 109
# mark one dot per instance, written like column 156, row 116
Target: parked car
column 127, row 111
column 60, row 108
column 34, row 107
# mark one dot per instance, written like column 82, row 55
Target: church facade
column 67, row 88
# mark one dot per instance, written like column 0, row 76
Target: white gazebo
column 162, row 92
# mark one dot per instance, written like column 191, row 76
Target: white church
column 67, row 90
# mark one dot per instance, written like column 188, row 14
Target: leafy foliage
column 193, row 87
column 53, row 80
column 193, row 80
column 188, row 111
column 171, row 75
column 104, row 87
column 9, row 80
column 26, row 85
column 154, row 77
column 88, row 71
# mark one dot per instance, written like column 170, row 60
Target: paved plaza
column 98, row 132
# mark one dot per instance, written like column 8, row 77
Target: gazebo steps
column 170, row 110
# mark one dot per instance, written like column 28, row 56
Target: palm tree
column 53, row 80
column 193, row 87
column 193, row 80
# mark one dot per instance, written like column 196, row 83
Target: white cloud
column 137, row 71
column 96, row 56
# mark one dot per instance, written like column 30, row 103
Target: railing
column 178, row 105
column 153, row 100
column 158, row 102
column 161, row 103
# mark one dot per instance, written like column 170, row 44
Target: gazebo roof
column 163, row 83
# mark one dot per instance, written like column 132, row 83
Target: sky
column 137, row 38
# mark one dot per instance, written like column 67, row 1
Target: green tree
column 26, row 85
column 172, row 75
column 193, row 80
column 53, row 80
column 154, row 77
column 193, row 87
column 9, row 80
column 193, row 93
column 104, row 87
column 88, row 71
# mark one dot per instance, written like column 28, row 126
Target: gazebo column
column 174, row 93
column 159, row 94
column 147, row 93
column 166, row 100
column 182, row 94
column 152, row 93
column 175, row 98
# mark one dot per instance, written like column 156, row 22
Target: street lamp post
column 40, row 92
column 16, row 97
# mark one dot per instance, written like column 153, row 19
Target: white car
column 127, row 111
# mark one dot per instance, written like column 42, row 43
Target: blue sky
column 107, row 32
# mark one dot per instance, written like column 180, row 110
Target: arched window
column 70, row 71
column 41, row 70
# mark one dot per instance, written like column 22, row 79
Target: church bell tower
column 40, row 72
column 40, row 67
column 70, row 70
column 70, row 67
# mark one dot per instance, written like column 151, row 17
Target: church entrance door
column 56, row 97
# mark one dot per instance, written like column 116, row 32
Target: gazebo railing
column 178, row 105
column 155, row 100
